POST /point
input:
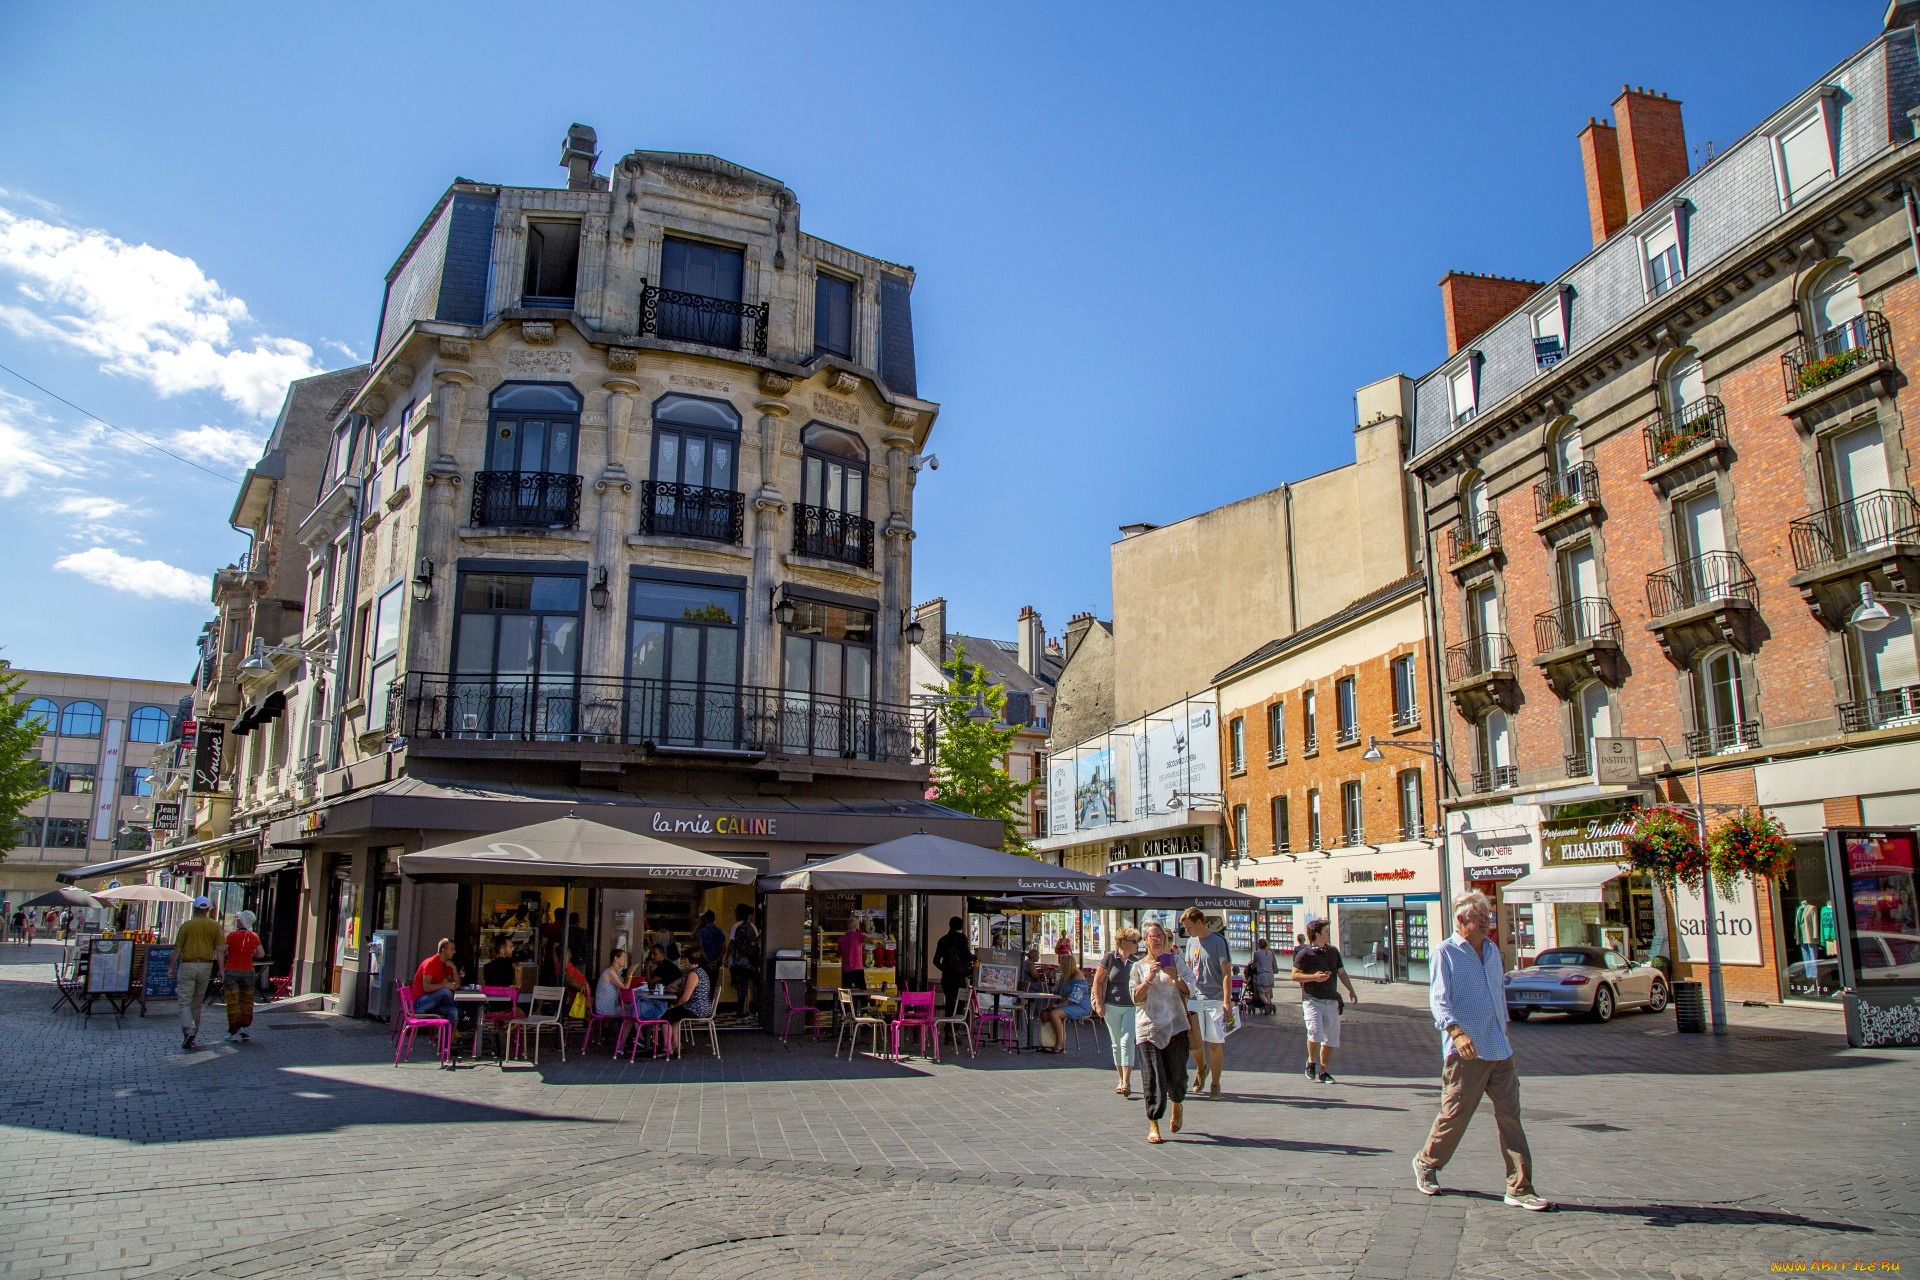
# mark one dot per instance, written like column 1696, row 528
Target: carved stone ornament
column 904, row 418
column 623, row 359
column 713, row 184
column 399, row 375
column 836, row 410
column 774, row 384
column 843, row 382
column 537, row 332
column 374, row 405
column 522, row 363
column 455, row 349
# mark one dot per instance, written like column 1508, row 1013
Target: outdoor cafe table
column 478, row 1000
column 1031, row 1018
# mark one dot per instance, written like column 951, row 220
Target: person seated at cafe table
column 692, row 999
column 434, row 983
column 1076, row 1000
column 498, row 971
column 614, row 979
column 660, row 966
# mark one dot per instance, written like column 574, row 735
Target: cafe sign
column 1575, row 841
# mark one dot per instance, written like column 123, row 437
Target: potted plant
column 1821, row 372
column 1561, row 503
column 1665, row 844
column 1749, row 844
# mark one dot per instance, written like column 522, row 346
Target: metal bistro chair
column 959, row 1024
column 631, row 1023
column 917, row 1013
column 706, row 1025
column 533, row 1020
column 853, row 1022
column 990, row 1021
column 411, row 1022
column 793, row 1012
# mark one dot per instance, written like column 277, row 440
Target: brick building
column 1655, row 488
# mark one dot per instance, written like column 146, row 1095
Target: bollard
column 1690, row 1007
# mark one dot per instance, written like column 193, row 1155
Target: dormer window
column 1803, row 155
column 1550, row 333
column 553, row 264
column 1463, row 390
column 1665, row 265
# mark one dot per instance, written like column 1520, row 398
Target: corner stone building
column 620, row 522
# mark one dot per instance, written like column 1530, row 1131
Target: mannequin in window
column 1806, row 928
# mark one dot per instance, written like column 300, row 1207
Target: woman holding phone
column 1161, row 984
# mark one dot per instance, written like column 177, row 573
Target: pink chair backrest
column 406, row 1000
column 916, row 1006
column 500, row 993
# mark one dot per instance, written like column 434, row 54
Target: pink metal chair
column 794, row 1011
column 917, row 1013
column 496, row 1018
column 632, row 1023
column 411, row 1023
column 595, row 1017
column 992, row 1023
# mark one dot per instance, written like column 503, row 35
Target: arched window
column 1833, row 304
column 695, row 442
column 1721, row 718
column 45, row 711
column 80, row 720
column 1565, row 453
column 1473, row 501
column 835, row 477
column 1686, row 388
column 533, row 427
column 149, row 724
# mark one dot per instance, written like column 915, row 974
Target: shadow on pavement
column 1686, row 1215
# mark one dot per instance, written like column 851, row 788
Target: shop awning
column 922, row 863
column 1138, row 888
column 1584, row 883
column 155, row 858
column 570, row 850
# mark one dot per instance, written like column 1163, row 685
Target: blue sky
column 1159, row 245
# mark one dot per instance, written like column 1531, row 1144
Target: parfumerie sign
column 1581, row 840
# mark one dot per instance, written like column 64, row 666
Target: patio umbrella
column 1138, row 888
column 922, row 863
column 142, row 893
column 65, row 896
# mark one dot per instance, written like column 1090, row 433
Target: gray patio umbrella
column 66, row 896
column 1138, row 888
column 922, row 863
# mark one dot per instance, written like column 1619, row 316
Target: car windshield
column 1561, row 959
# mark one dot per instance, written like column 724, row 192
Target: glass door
column 1702, row 538
column 516, row 657
column 683, row 661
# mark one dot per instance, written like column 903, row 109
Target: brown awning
column 570, row 851
column 922, row 863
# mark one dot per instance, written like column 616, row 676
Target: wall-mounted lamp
column 423, row 581
column 911, row 629
column 782, row 608
column 598, row 592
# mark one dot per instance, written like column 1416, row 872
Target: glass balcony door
column 516, row 657
column 683, row 664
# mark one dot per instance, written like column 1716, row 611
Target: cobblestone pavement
column 306, row 1153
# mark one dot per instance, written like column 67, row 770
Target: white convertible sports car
column 1584, row 980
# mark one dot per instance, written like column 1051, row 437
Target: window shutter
column 1807, row 156
column 1892, row 657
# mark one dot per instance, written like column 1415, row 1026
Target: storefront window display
column 1812, row 970
column 1412, row 939
column 1365, row 938
column 1576, row 924
column 1278, row 923
column 875, row 915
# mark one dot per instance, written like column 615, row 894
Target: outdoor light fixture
column 980, row 713
column 1373, row 753
column 423, row 581
column 910, row 628
column 782, row 608
column 1869, row 614
column 256, row 661
column 598, row 592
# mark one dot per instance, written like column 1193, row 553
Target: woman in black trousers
column 1161, row 985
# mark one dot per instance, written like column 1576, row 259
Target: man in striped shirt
column 1469, row 1002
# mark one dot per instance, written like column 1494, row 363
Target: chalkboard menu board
column 111, row 966
column 158, row 983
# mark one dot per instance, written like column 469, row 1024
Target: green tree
column 970, row 762
column 22, row 779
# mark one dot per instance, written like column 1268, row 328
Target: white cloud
column 229, row 445
column 89, row 506
column 31, row 452
column 152, row 578
column 144, row 313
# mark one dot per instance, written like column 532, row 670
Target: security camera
column 927, row 461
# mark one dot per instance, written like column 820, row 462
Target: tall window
column 553, row 264
column 1346, row 703
column 1237, row 735
column 1277, row 733
column 149, row 724
column 696, row 451
column 1352, row 814
column 1592, row 718
column 1836, row 313
column 1310, row 719
column 1313, row 819
column 81, row 720
column 831, row 521
column 1565, row 454
column 708, row 272
column 1495, row 750
column 1686, row 389
column 383, row 654
column 1664, row 265
column 827, row 673
column 516, row 655
column 1240, row 831
column 316, row 720
column 1463, row 391
column 832, row 315
column 1803, row 156
column 1550, row 334
column 683, row 649
column 533, row 426
column 1887, row 672
column 1413, row 818
column 1282, row 829
column 1720, row 704
column 1406, row 694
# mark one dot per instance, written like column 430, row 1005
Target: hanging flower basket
column 1749, row 844
column 1665, row 844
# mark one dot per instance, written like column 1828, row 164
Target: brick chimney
column 1474, row 304
column 932, row 617
column 1077, row 628
column 1653, row 146
column 1033, row 641
column 1606, row 194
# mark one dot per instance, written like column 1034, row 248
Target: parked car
column 1584, row 980
column 1887, row 957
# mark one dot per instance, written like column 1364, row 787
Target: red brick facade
column 1474, row 304
column 1653, row 146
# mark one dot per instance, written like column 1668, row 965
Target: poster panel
column 1060, row 794
column 1094, row 802
column 1736, row 921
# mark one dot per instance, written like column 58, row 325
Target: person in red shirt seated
column 242, row 943
column 434, row 983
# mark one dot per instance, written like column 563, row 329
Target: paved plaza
column 306, row 1153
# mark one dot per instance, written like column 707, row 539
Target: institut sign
column 1580, row 840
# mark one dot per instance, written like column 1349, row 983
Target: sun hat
column 246, row 919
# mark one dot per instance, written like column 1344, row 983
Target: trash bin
column 1690, row 1007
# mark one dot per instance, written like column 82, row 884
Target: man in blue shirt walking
column 1469, row 1001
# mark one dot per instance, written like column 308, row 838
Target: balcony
column 1888, row 709
column 1699, row 603
column 1580, row 765
column 1566, row 495
column 663, row 716
column 1499, row 778
column 1310, row 744
column 1354, row 837
column 1480, row 674
column 1407, row 717
column 1871, row 540
column 1578, row 641
column 1346, row 735
column 526, row 500
column 1677, row 438
column 1825, row 360
column 707, row 322
column 691, row 511
column 832, row 535
column 1724, row 739
column 1471, row 539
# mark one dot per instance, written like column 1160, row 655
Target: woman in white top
column 613, row 981
column 1162, row 984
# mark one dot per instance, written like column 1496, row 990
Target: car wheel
column 1603, row 1004
column 1657, row 998
column 1519, row 1015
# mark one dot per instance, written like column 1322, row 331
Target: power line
column 218, row 475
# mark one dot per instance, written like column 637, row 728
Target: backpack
column 746, row 946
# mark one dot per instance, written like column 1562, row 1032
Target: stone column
column 613, row 520
column 763, row 640
column 896, row 537
column 440, row 516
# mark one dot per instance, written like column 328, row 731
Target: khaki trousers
column 1461, row 1084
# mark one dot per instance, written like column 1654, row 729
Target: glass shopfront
column 1812, row 969
column 1364, row 930
column 889, row 930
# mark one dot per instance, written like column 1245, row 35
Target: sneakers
column 1424, row 1180
column 1313, row 1069
column 186, row 1042
column 1325, row 1078
column 244, row 1037
column 233, row 1037
column 1528, row 1200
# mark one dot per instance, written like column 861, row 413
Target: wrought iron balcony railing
column 1479, row 656
column 1890, row 708
column 1346, row 735
column 691, row 511
column 1469, row 537
column 1415, row 830
column 710, row 322
column 1311, row 743
column 1353, row 837
column 1706, row 579
column 659, row 714
column 526, row 500
column 1498, row 778
column 1850, row 345
column 1721, row 739
column 1277, row 755
column 1563, row 492
column 1575, row 622
column 1580, row 765
column 1878, row 519
column 1407, row 717
column 832, row 535
column 1676, row 433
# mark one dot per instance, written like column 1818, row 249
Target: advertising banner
column 1875, row 887
column 1094, row 801
column 1060, row 793
column 208, row 746
column 1736, row 921
column 1136, row 771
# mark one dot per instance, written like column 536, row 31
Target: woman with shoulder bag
column 1113, row 1004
